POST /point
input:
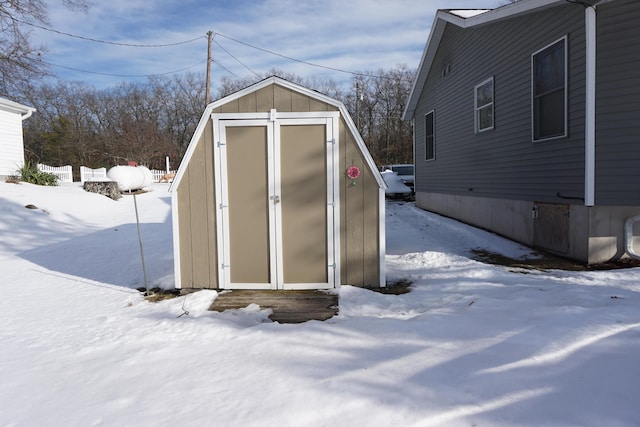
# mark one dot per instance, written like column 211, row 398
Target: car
column 401, row 181
column 405, row 173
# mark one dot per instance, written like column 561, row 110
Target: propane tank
column 131, row 178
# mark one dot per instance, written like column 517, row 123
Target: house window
column 549, row 91
column 429, row 131
column 483, row 95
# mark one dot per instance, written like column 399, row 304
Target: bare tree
column 182, row 98
column 376, row 105
column 65, row 130
column 145, row 122
column 20, row 61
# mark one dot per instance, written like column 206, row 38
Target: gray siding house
column 527, row 123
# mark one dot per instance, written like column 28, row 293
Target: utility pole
column 357, row 112
column 208, row 88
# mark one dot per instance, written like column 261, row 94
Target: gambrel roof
column 294, row 87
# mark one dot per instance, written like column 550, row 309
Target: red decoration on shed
column 353, row 172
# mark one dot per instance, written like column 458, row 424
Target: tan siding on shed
column 280, row 98
column 370, row 224
column 300, row 102
column 359, row 212
column 196, row 215
column 184, row 235
column 359, row 204
column 229, row 107
column 354, row 201
column 248, row 104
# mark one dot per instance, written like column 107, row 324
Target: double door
column 276, row 199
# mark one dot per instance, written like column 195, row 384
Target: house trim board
column 590, row 107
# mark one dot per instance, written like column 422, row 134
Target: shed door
column 276, row 193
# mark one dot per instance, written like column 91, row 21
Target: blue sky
column 353, row 35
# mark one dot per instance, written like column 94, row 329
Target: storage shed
column 278, row 191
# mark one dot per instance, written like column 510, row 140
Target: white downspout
column 28, row 114
column 590, row 107
column 628, row 237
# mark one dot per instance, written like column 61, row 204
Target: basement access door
column 277, row 198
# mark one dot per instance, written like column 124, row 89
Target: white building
column 11, row 142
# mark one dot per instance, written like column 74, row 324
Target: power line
column 285, row 56
column 140, row 45
column 105, row 41
column 124, row 75
column 353, row 73
column 239, row 62
column 225, row 68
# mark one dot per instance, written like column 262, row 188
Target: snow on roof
column 467, row 13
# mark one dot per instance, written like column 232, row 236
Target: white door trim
column 330, row 121
column 273, row 122
column 222, row 197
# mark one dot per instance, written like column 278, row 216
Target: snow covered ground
column 471, row 345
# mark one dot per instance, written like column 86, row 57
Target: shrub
column 30, row 173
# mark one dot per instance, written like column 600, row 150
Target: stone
column 106, row 188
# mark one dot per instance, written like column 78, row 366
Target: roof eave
column 17, row 108
column 504, row 12
column 443, row 18
column 428, row 54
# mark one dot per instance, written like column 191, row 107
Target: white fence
column 88, row 174
column 64, row 173
column 158, row 174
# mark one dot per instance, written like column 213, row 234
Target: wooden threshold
column 287, row 306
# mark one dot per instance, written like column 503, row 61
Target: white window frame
column 564, row 39
column 433, row 135
column 477, row 109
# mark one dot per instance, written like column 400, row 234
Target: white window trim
column 433, row 113
column 476, row 110
column 566, row 81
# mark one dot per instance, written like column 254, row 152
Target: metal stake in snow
column 144, row 270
